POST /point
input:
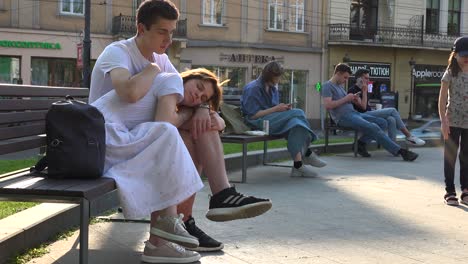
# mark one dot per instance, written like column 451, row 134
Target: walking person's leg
column 450, row 159
column 463, row 158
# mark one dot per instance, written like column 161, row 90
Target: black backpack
column 76, row 141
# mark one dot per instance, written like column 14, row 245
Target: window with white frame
column 213, row 12
column 276, row 14
column 296, row 15
column 72, row 7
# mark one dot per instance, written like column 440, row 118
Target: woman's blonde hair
column 206, row 75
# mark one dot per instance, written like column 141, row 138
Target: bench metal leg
column 84, row 228
column 325, row 149
column 355, row 143
column 244, row 162
column 265, row 152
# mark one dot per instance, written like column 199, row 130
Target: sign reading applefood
column 29, row 44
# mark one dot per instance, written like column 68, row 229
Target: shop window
column 292, row 88
column 235, row 75
column 72, row 7
column 432, row 16
column 296, row 15
column 55, row 72
column 9, row 69
column 275, row 14
column 213, row 12
column 453, row 27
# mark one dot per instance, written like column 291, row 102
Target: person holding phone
column 260, row 101
column 391, row 115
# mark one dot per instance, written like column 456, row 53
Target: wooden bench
column 244, row 140
column 22, row 127
column 234, row 99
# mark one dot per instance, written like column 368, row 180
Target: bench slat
column 22, row 131
column 233, row 138
column 15, row 145
column 88, row 189
column 25, row 104
column 43, row 91
column 18, row 117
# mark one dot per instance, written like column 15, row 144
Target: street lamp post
column 411, row 62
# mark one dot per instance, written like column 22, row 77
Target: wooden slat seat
column 22, row 127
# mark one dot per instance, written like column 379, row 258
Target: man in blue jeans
column 390, row 114
column 340, row 105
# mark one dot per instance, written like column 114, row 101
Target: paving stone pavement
column 357, row 210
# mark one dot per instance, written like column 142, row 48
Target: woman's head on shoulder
column 202, row 86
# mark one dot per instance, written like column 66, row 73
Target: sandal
column 464, row 198
column 451, row 199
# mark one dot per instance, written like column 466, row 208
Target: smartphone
column 359, row 82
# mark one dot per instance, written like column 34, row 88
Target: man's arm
column 443, row 94
column 166, row 111
column 133, row 88
column 329, row 103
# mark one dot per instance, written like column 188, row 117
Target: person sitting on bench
column 260, row 101
column 390, row 114
column 132, row 80
column 340, row 106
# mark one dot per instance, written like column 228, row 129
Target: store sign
column 79, row 55
column 249, row 58
column 29, row 45
column 376, row 70
column 428, row 72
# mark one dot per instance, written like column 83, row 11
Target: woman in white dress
column 149, row 160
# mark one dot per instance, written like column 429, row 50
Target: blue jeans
column 372, row 127
column 394, row 122
column 299, row 140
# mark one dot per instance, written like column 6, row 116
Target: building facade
column 405, row 45
column 40, row 41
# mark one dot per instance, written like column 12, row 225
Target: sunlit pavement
column 356, row 210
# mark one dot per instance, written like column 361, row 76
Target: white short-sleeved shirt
column 122, row 54
column 131, row 114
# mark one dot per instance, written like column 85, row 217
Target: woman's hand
column 445, row 127
column 282, row 107
column 217, row 123
column 201, row 122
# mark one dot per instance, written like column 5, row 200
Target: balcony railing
column 389, row 36
column 125, row 26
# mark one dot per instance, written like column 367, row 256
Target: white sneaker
column 303, row 171
column 415, row 141
column 314, row 160
column 168, row 253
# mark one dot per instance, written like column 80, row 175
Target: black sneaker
column 206, row 243
column 229, row 205
column 362, row 150
column 408, row 155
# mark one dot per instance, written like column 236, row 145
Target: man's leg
column 367, row 125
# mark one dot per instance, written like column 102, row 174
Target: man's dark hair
column 343, row 67
column 359, row 73
column 150, row 11
column 271, row 70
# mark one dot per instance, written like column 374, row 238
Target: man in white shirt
column 129, row 67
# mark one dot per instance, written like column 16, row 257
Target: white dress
column 148, row 160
